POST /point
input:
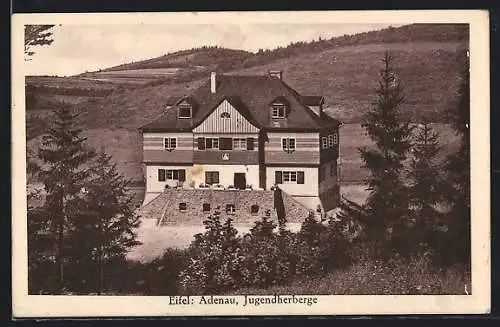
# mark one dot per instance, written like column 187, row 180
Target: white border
column 84, row 306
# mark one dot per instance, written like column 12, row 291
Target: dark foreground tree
column 387, row 204
column 36, row 35
column 426, row 191
column 63, row 175
column 458, row 176
column 105, row 229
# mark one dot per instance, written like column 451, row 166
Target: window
column 211, row 143
column 324, row 142
column 211, row 177
column 332, row 169
column 289, row 177
column 330, row 141
column 278, row 110
column 225, row 115
column 230, row 208
column 182, row 206
column 171, row 174
column 335, row 138
column 322, row 173
column 288, row 144
column 206, row 207
column 239, row 144
column 170, row 143
column 254, row 209
column 185, row 111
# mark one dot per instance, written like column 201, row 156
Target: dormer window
column 278, row 110
column 185, row 111
column 279, row 107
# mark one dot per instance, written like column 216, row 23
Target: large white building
column 245, row 132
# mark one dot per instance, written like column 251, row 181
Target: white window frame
column 212, row 139
column 171, row 171
column 167, row 143
column 331, row 142
column 335, row 138
column 324, row 142
column 239, row 143
column 275, row 111
column 212, row 172
column 289, row 177
column 286, row 146
column 185, row 107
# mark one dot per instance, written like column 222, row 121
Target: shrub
column 321, row 248
column 266, row 254
column 214, row 261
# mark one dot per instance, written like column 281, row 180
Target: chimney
column 276, row 73
column 213, row 82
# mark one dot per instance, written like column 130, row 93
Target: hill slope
column 344, row 70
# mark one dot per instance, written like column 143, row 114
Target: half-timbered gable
column 225, row 119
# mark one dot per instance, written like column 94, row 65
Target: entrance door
column 240, row 181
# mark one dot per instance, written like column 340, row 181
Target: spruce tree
column 425, row 186
column 63, row 174
column 387, row 204
column 105, row 229
column 458, row 175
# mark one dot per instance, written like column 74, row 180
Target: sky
column 80, row 48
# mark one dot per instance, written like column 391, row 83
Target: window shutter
column 216, row 177
column 300, row 177
column 225, row 143
column 250, row 145
column 278, row 177
column 201, row 143
column 182, row 175
column 208, row 179
column 161, row 175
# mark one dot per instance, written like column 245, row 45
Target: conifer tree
column 425, row 185
column 458, row 175
column 63, row 174
column 105, row 229
column 387, row 203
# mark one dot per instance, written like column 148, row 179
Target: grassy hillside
column 344, row 70
column 228, row 59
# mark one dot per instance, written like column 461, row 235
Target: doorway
column 240, row 181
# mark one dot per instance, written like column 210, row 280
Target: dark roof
column 173, row 100
column 312, row 100
column 251, row 96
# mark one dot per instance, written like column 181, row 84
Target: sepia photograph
column 246, row 163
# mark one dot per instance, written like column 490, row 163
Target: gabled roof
column 189, row 99
column 250, row 95
column 281, row 99
column 237, row 104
